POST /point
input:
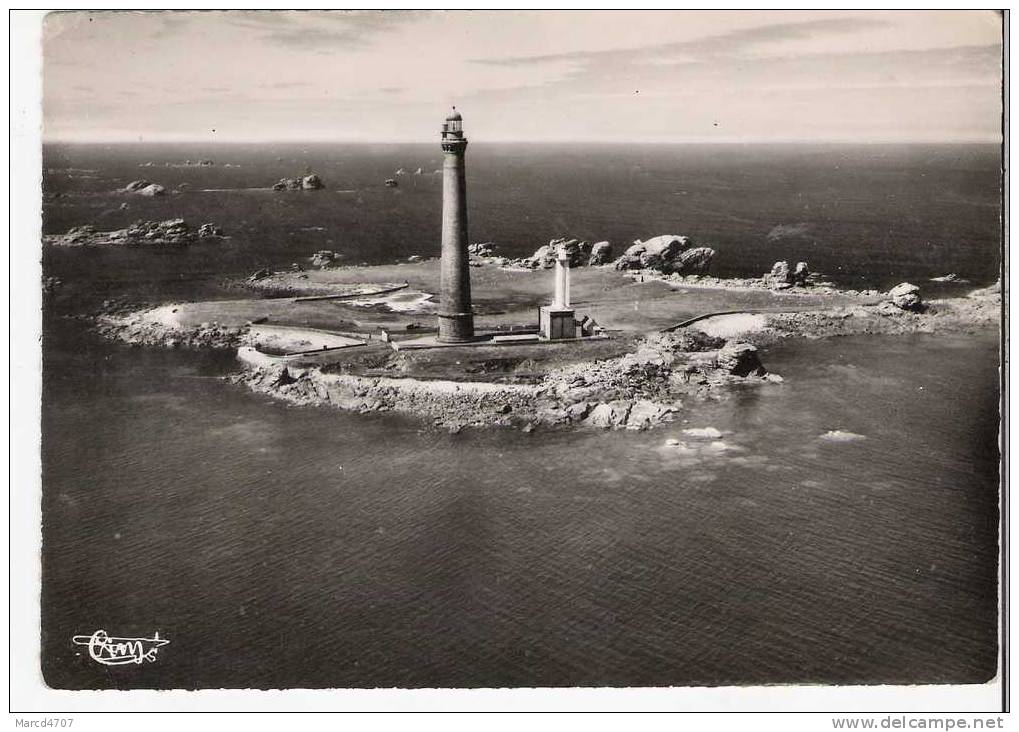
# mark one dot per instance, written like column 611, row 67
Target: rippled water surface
column 284, row 546
column 843, row 528
column 867, row 216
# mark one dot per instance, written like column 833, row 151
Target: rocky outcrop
column 668, row 254
column 779, row 277
column 481, row 249
column 452, row 404
column 637, row 415
column 325, row 258
column 480, row 254
column 144, row 188
column 906, row 297
column 206, row 231
column 655, row 253
column 310, row 182
column 950, row 277
column 695, row 341
column 448, row 404
column 644, row 388
column 158, row 327
column 609, row 414
column 544, row 257
column 171, row 232
column 601, row 253
column 740, row 359
column 77, row 236
column 260, row 275
column 782, row 277
column 645, row 414
column 580, row 253
column 693, row 261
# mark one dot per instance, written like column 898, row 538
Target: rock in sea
column 144, row 188
column 209, row 230
column 310, row 182
column 612, row 414
column 906, row 297
column 324, row 258
column 578, row 411
column 645, row 414
column 740, row 359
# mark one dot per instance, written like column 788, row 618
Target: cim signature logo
column 120, row 651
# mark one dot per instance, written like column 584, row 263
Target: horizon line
column 970, row 140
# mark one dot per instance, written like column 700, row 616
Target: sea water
column 842, row 528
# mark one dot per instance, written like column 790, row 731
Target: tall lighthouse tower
column 456, row 319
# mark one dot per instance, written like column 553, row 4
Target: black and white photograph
column 516, row 349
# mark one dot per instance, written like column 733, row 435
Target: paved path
column 352, row 295
column 705, row 316
column 295, row 340
column 745, row 311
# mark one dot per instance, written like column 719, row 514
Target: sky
column 613, row 76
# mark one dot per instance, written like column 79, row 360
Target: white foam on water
column 841, row 436
column 702, row 432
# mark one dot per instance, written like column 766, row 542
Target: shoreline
column 635, row 391
column 636, row 380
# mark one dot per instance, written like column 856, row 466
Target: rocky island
column 310, row 182
column 144, row 188
column 171, row 232
column 672, row 337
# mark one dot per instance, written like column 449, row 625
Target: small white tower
column 562, row 279
column 557, row 321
